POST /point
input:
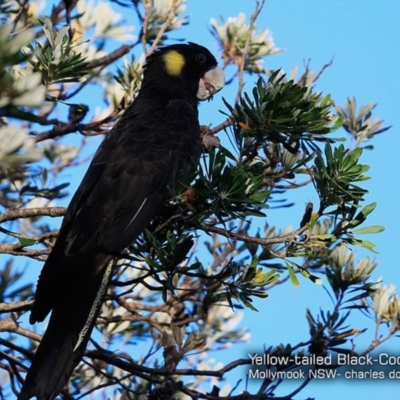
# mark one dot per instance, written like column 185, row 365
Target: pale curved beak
column 212, row 82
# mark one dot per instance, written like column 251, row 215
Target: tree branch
column 16, row 306
column 167, row 23
column 9, row 324
column 251, row 239
column 259, row 7
column 32, row 212
column 110, row 58
column 64, row 129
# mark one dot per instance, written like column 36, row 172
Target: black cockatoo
column 155, row 143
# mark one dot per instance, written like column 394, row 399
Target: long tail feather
column 65, row 339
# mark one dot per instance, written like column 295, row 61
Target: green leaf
column 293, row 277
column 366, row 244
column 227, row 153
column 325, row 237
column 25, row 241
column 369, row 229
column 362, row 215
column 312, row 278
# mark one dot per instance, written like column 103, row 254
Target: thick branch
column 110, row 58
column 64, row 129
column 16, row 306
column 32, row 212
column 222, row 126
column 10, row 325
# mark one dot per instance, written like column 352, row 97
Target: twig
column 299, row 388
column 17, row 249
column 16, row 306
column 9, row 324
column 324, row 67
column 167, row 23
column 147, row 11
column 132, row 367
column 71, row 127
column 110, row 58
column 251, row 239
column 303, row 78
column 223, row 125
column 102, row 63
column 32, row 212
column 22, row 10
column 259, row 7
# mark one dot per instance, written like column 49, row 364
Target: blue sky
column 364, row 38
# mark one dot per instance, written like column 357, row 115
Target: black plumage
column 154, row 144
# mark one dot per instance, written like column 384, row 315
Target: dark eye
column 201, row 58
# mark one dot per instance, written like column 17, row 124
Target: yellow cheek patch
column 174, row 62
